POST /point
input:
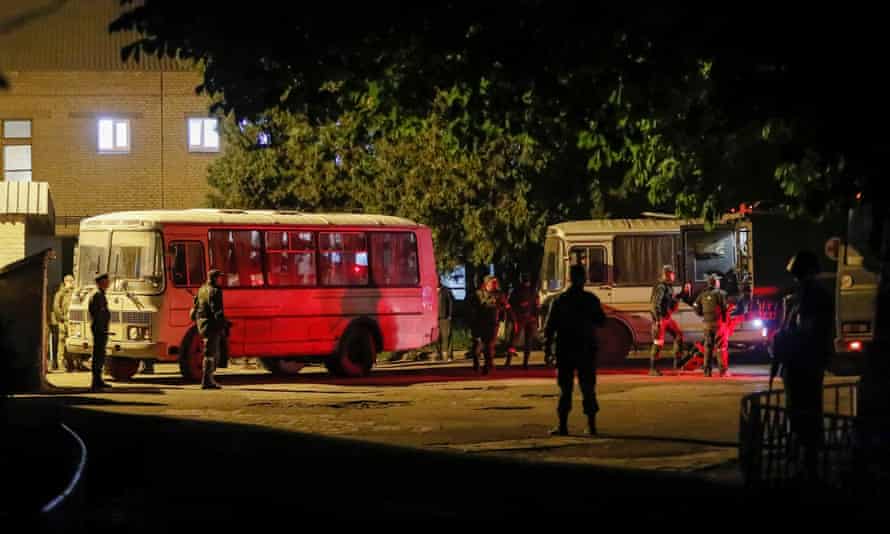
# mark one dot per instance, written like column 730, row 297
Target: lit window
column 203, row 135
column 114, row 135
column 17, row 163
column 17, row 129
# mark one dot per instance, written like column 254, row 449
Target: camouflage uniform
column 211, row 323
column 61, row 302
column 488, row 310
column 711, row 306
column 524, row 310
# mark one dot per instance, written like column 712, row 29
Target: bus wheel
column 615, row 341
column 356, row 353
column 123, row 369
column 191, row 361
column 283, row 366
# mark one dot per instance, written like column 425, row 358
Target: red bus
column 300, row 288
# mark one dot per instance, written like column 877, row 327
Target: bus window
column 343, row 259
column 394, row 259
column 290, row 258
column 238, row 254
column 550, row 272
column 594, row 261
column 638, row 260
column 188, row 264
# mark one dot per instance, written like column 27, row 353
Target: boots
column 563, row 428
column 653, row 355
column 98, row 383
column 591, row 425
column 525, row 361
column 207, row 382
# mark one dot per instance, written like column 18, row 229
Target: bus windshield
column 137, row 258
column 92, row 256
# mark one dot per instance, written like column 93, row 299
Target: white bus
column 624, row 258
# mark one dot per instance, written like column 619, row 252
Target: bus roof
column 618, row 226
column 239, row 217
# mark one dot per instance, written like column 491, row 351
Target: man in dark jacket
column 211, row 323
column 573, row 320
column 100, row 318
column 806, row 336
column 446, row 310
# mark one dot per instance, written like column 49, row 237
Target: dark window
column 290, row 258
column 594, row 260
column 638, row 260
column 343, row 259
column 394, row 259
column 709, row 252
column 188, row 264
column 238, row 254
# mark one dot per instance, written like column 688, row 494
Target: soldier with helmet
column 711, row 306
column 211, row 323
column 664, row 303
column 489, row 307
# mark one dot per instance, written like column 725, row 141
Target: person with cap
column 803, row 347
column 524, row 306
column 573, row 319
column 663, row 304
column 711, row 306
column 100, row 318
column 489, row 307
column 211, row 323
column 61, row 302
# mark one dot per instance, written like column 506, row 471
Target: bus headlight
column 846, row 281
column 138, row 333
column 758, row 323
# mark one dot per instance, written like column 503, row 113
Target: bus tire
column 355, row 354
column 123, row 369
column 283, row 366
column 615, row 341
column 191, row 359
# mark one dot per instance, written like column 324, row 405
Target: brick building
column 106, row 135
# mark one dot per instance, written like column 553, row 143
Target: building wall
column 65, row 107
column 12, row 239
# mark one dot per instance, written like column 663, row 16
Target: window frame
column 319, row 251
column 114, row 148
column 315, row 258
column 677, row 245
column 185, row 244
column 202, row 148
column 371, row 258
column 262, row 249
column 587, row 248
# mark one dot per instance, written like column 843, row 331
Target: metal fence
column 771, row 456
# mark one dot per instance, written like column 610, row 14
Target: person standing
column 100, row 318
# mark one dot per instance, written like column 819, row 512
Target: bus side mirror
column 832, row 248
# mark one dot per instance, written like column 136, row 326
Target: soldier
column 488, row 310
column 211, row 323
column 446, row 310
column 61, row 302
column 711, row 306
column 664, row 304
column 804, row 346
column 524, row 313
column 573, row 319
column 100, row 318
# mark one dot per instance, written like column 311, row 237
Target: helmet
column 212, row 274
column 713, row 279
column 68, row 278
column 803, row 264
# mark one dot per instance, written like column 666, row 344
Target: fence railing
column 772, row 456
